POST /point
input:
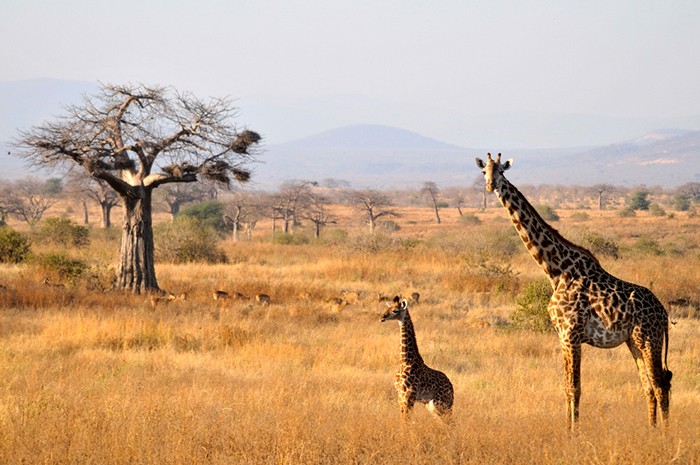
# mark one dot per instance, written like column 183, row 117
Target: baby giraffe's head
column 493, row 171
column 397, row 310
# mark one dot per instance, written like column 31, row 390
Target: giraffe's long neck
column 551, row 251
column 409, row 345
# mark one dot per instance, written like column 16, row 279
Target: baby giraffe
column 416, row 381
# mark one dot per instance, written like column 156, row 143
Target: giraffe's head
column 397, row 310
column 493, row 171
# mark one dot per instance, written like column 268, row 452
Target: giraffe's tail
column 667, row 374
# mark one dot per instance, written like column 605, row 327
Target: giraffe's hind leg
column 644, row 377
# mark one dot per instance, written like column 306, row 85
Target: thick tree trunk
column 106, row 221
column 137, row 266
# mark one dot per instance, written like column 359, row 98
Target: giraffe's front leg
column 407, row 400
column 572, row 380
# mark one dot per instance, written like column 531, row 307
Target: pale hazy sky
column 621, row 59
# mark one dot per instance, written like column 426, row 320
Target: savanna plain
column 89, row 375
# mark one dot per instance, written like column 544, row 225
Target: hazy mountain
column 376, row 155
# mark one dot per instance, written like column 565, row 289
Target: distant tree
column 291, row 198
column 690, row 191
column 431, row 191
column 242, row 209
column 317, row 213
column 86, row 186
column 480, row 184
column 27, row 199
column 123, row 135
column 602, row 191
column 372, row 203
column 639, row 200
column 54, row 186
column 177, row 194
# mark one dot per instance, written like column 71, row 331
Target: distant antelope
column 156, row 299
column 262, row 299
column 337, row 304
column 220, row 295
column 350, row 296
column 382, row 298
column 50, row 284
column 480, row 324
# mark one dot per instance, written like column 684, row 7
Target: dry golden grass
column 105, row 378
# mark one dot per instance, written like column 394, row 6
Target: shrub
column 209, row 213
column 638, row 200
column 626, row 213
column 14, row 246
column 187, row 239
column 290, row 239
column 600, row 245
column 389, row 226
column 63, row 231
column 59, row 263
column 580, row 216
column 370, row 243
column 547, row 213
column 656, row 210
column 531, row 307
column 648, row 245
column 681, row 203
column 469, row 218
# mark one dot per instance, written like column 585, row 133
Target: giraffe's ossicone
column 416, row 381
column 588, row 304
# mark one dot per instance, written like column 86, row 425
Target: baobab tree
column 137, row 138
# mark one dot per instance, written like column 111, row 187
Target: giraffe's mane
column 551, row 228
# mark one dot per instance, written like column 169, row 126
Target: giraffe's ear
column 507, row 164
column 404, row 303
column 480, row 163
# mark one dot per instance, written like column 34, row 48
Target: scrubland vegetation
column 90, row 375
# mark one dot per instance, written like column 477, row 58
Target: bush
column 59, row 263
column 14, row 247
column 626, row 213
column 656, row 210
column 209, row 213
column 469, row 218
column 531, row 307
column 681, row 203
column 290, row 239
column 638, row 200
column 600, row 245
column 648, row 245
column 547, row 213
column 580, row 216
column 187, row 239
column 63, row 231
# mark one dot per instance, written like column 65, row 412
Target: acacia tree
column 372, row 203
column 431, row 190
column 316, row 212
column 137, row 138
column 27, row 199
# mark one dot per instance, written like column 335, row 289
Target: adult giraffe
column 588, row 304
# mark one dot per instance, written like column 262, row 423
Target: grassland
column 104, row 378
